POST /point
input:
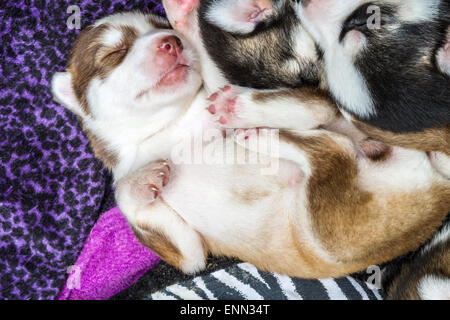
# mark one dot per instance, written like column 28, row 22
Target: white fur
column 441, row 162
column 112, row 37
column 233, row 15
column 345, row 82
column 294, row 114
column 348, row 85
column 63, row 93
column 443, row 55
column 186, row 23
column 201, row 197
column 418, row 10
column 438, row 239
column 433, row 287
column 225, row 15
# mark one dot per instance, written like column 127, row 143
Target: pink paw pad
column 152, row 179
column 224, row 105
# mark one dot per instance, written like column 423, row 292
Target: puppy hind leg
column 160, row 228
column 154, row 222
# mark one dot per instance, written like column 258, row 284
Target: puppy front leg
column 155, row 223
column 299, row 109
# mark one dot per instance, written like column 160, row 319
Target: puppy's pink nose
column 171, row 45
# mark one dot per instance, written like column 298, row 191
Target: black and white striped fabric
column 244, row 282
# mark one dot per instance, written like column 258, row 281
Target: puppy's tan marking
column 81, row 65
column 428, row 140
column 351, row 222
column 89, row 44
column 159, row 243
column 249, row 196
column 101, row 150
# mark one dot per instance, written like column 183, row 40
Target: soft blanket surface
column 52, row 189
column 244, row 282
column 112, row 259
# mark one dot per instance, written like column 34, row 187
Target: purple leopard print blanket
column 52, row 189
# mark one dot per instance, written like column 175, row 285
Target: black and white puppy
column 385, row 64
column 391, row 80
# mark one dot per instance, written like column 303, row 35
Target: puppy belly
column 232, row 203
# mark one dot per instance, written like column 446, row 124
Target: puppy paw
column 154, row 177
column 146, row 184
column 193, row 264
column 226, row 106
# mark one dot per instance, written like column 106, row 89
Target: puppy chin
column 176, row 89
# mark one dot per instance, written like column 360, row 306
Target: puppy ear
column 64, row 94
column 443, row 56
column 239, row 16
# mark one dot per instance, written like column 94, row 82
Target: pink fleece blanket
column 112, row 260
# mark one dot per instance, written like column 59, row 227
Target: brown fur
column 375, row 150
column 355, row 227
column 101, row 150
column 83, row 67
column 428, row 140
column 159, row 243
column 249, row 196
column 434, row 262
column 317, row 99
column 158, row 22
column 90, row 59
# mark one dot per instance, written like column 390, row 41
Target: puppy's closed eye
column 114, row 54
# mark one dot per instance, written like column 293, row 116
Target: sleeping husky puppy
column 402, row 100
column 385, row 64
column 328, row 209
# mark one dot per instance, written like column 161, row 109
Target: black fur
column 409, row 95
column 255, row 60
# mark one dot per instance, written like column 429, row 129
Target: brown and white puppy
column 327, row 210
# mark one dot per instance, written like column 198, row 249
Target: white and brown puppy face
column 381, row 59
column 125, row 65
